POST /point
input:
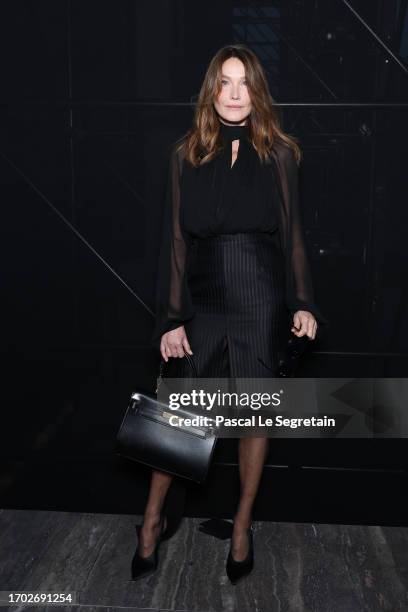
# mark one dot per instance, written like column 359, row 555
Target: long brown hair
column 202, row 141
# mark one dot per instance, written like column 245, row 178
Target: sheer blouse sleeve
column 299, row 286
column 173, row 302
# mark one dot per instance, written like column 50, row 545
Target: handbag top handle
column 162, row 362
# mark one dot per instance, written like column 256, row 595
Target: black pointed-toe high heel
column 143, row 566
column 172, row 510
column 236, row 570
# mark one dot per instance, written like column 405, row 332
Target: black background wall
column 92, row 95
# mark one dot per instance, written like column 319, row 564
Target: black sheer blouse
column 217, row 198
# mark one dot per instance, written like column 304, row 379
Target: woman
column 232, row 265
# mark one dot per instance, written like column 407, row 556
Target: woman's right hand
column 174, row 343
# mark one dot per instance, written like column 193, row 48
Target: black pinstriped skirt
column 237, row 286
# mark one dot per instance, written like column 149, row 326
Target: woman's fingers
column 304, row 323
column 297, row 328
column 178, row 350
column 174, row 343
column 169, row 350
column 186, row 346
column 311, row 327
column 174, row 348
column 164, row 350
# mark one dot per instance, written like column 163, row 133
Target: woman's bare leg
column 149, row 532
column 252, row 454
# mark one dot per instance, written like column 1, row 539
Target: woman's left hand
column 304, row 323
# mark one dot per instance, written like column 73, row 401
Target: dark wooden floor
column 298, row 567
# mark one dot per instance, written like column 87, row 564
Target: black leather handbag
column 146, row 436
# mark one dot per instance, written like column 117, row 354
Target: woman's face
column 233, row 104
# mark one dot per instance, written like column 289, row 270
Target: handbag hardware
column 164, row 417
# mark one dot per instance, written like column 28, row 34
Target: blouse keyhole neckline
column 231, row 133
column 234, row 159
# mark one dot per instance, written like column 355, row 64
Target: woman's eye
column 225, row 82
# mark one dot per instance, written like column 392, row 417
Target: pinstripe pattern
column 237, row 286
